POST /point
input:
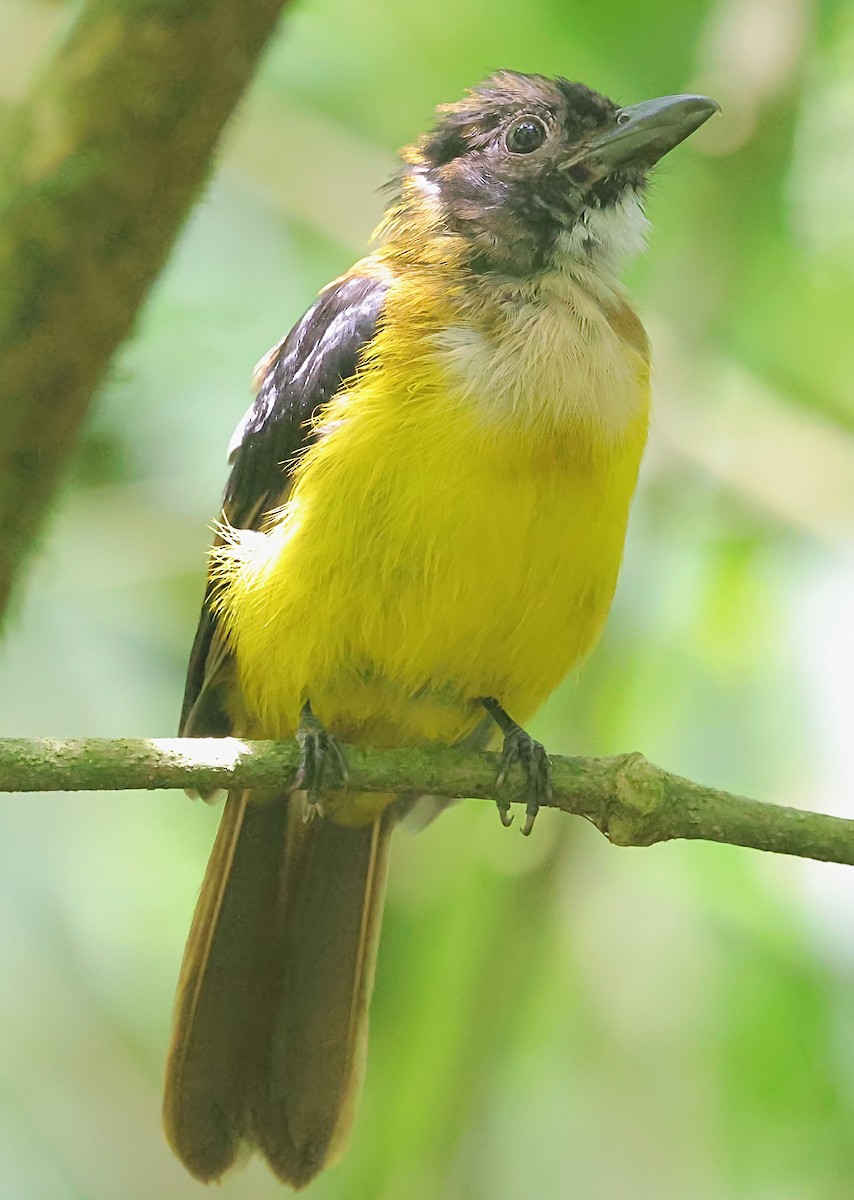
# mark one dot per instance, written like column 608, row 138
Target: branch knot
column 631, row 811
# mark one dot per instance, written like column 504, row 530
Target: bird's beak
column 645, row 132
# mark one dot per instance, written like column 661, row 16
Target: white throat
column 544, row 351
column 603, row 240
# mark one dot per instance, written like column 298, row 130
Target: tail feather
column 319, row 1037
column 272, row 1001
column 222, row 1006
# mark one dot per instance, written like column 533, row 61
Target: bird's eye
column 526, row 135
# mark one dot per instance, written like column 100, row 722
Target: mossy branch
column 98, row 168
column 631, row 801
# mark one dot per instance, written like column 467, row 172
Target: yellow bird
column 421, row 535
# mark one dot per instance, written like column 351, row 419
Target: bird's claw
column 504, row 813
column 318, row 751
column 520, row 747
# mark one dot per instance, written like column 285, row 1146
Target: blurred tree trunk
column 99, row 168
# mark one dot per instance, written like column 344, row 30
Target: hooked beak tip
column 645, row 132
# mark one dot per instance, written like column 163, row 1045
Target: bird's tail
column 272, row 1004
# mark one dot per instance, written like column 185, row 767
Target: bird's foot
column 520, row 748
column 319, row 751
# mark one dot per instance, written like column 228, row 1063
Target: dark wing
column 295, row 379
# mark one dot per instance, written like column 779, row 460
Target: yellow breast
column 458, row 529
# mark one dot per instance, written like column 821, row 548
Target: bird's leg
column 519, row 747
column 318, row 750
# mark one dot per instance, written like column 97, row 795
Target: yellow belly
column 428, row 557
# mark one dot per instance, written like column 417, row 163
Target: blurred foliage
column 553, row 1018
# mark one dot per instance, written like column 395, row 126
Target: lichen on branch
column 630, row 800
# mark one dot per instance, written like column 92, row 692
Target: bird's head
column 534, row 174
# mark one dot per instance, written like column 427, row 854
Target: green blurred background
column 554, row 1017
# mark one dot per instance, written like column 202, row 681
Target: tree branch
column 631, row 801
column 98, row 172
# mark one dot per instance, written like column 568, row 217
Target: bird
column 420, row 536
